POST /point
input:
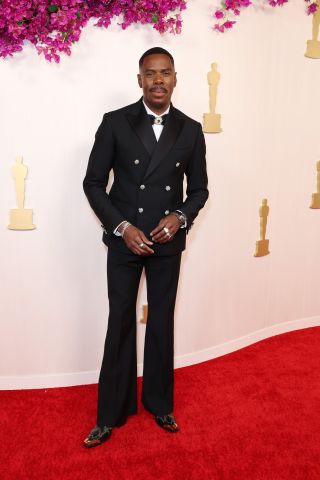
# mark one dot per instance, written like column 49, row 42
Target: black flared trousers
column 117, row 392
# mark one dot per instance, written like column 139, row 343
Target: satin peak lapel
column 167, row 139
column 142, row 126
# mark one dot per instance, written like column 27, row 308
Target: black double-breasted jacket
column 148, row 175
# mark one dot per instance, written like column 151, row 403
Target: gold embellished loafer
column 97, row 436
column 167, row 422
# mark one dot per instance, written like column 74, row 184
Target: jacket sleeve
column 197, row 180
column 97, row 176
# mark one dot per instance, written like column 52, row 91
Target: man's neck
column 158, row 111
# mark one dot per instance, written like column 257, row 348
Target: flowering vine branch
column 52, row 26
column 232, row 8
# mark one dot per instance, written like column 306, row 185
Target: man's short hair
column 155, row 51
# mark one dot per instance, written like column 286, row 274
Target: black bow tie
column 158, row 120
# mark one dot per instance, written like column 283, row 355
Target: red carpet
column 251, row 415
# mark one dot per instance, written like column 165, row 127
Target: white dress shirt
column 156, row 128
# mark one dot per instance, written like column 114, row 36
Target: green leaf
column 78, row 15
column 223, row 4
column 154, row 18
column 53, row 8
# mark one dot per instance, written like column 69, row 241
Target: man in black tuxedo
column 150, row 146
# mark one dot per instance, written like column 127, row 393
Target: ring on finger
column 166, row 230
column 168, row 235
column 141, row 245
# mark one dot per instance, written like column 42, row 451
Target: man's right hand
column 137, row 242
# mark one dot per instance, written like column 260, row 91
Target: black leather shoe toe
column 97, row 436
column 167, row 422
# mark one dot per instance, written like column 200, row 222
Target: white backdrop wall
column 53, row 279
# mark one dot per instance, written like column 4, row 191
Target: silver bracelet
column 180, row 216
column 124, row 228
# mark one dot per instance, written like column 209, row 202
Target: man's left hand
column 166, row 229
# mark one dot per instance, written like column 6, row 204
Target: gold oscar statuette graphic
column 315, row 202
column 211, row 121
column 262, row 245
column 145, row 314
column 313, row 46
column 20, row 218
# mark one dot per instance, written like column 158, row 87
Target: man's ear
column 139, row 80
column 175, row 79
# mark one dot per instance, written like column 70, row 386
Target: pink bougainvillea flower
column 312, row 8
column 219, row 28
column 228, row 24
column 244, row 3
column 219, row 14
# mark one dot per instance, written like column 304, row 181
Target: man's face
column 157, row 79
